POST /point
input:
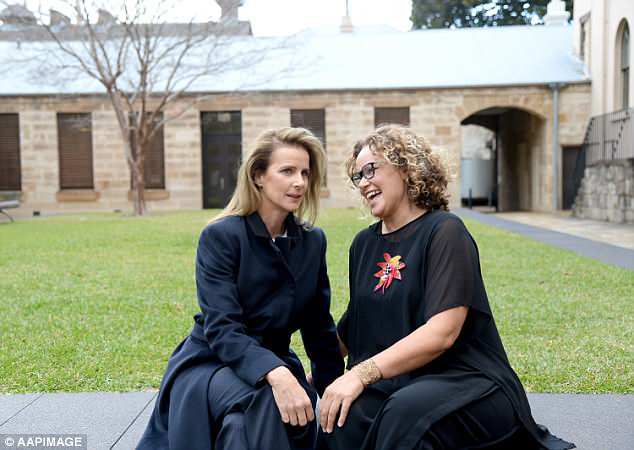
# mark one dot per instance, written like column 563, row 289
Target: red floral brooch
column 390, row 270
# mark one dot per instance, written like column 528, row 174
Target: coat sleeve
column 217, row 261
column 319, row 332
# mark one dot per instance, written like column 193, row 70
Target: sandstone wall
column 436, row 114
column 607, row 193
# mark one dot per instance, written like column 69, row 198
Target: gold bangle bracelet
column 368, row 372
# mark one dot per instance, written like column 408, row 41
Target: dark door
column 222, row 149
column 570, row 155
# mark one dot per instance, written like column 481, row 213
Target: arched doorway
column 519, row 161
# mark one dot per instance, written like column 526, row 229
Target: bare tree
column 147, row 66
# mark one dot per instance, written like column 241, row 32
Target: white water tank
column 477, row 175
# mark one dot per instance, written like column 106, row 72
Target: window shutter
column 311, row 119
column 154, row 172
column 154, row 163
column 10, row 175
column 74, row 134
column 391, row 115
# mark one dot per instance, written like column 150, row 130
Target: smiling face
column 385, row 193
column 285, row 180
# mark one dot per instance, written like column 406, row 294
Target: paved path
column 619, row 234
column 116, row 421
column 607, row 253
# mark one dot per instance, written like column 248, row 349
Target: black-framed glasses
column 366, row 172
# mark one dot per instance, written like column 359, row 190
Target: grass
column 99, row 301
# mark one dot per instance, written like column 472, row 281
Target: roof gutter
column 320, row 90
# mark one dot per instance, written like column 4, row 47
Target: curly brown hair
column 427, row 175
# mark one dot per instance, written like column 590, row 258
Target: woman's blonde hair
column 247, row 197
column 427, row 175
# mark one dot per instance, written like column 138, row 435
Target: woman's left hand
column 339, row 396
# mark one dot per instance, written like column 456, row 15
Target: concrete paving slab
column 10, row 405
column 592, row 422
column 133, row 434
column 102, row 416
column 117, row 421
column 609, row 254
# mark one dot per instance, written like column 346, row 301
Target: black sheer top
column 399, row 280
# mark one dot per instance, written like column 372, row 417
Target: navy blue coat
column 253, row 295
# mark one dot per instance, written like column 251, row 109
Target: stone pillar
column 183, row 162
column 346, row 122
column 256, row 119
column 39, row 159
column 111, row 172
column 436, row 117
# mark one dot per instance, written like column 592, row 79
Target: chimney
column 346, row 21
column 79, row 12
column 17, row 15
column 58, row 19
column 556, row 13
column 105, row 18
column 229, row 9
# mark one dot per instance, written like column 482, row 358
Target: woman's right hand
column 291, row 398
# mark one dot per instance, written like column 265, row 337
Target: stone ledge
column 324, row 193
column 12, row 195
column 77, row 195
column 152, row 195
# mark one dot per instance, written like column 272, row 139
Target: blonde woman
column 428, row 368
column 234, row 383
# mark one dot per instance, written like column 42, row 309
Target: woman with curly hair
column 427, row 366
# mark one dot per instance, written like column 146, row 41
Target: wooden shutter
column 74, row 135
column 391, row 115
column 10, row 176
column 154, row 163
column 154, row 172
column 313, row 120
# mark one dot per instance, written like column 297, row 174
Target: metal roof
column 380, row 60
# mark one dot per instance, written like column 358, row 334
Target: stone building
column 522, row 82
column 602, row 30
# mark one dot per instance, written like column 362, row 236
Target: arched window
column 623, row 52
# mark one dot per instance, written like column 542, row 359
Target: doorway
column 568, row 179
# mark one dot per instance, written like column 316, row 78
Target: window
column 391, row 115
column 221, row 155
column 624, row 66
column 154, row 163
column 10, row 177
column 313, row 120
column 74, row 137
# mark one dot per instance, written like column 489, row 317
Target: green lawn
column 98, row 302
